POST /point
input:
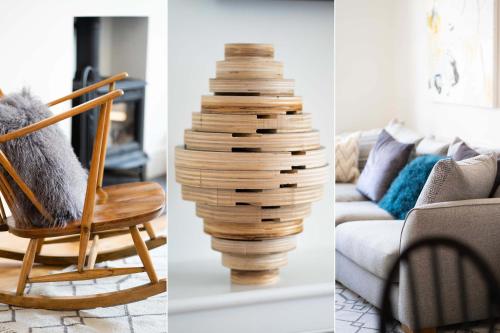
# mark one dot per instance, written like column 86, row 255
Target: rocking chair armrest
column 62, row 116
column 92, row 87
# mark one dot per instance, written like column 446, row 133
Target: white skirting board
column 202, row 299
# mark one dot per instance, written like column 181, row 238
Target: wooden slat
column 254, row 262
column 267, row 87
column 92, row 274
column 65, row 260
column 278, row 197
column 92, row 87
column 93, row 252
column 62, row 116
column 92, row 184
column 279, row 142
column 254, row 277
column 264, row 105
column 247, row 123
column 107, row 125
column 143, row 253
column 124, row 296
column 9, row 168
column 252, row 231
column 258, row 247
column 248, row 50
column 28, row 260
column 185, row 158
column 256, row 68
column 253, row 214
column 251, row 179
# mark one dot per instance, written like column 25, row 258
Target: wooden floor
column 10, row 269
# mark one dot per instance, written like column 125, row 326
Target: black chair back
column 463, row 253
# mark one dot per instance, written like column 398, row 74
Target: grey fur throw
column 44, row 160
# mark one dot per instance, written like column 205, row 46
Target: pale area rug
column 148, row 316
column 353, row 314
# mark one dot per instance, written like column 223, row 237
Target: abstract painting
column 462, row 51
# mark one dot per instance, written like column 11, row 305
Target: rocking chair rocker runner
column 154, row 240
column 108, row 211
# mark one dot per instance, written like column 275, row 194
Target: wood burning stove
column 125, row 158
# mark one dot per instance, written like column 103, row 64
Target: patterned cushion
column 346, row 158
column 451, row 180
column 404, row 190
column 386, row 159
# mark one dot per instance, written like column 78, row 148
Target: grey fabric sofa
column 369, row 240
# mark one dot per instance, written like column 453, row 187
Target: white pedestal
column 202, row 299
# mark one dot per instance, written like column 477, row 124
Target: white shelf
column 202, row 299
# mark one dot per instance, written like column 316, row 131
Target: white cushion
column 431, row 145
column 359, row 211
column 373, row 245
column 346, row 192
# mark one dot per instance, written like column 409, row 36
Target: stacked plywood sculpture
column 252, row 163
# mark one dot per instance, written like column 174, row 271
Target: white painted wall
column 474, row 124
column 364, row 64
column 38, row 51
column 381, row 73
column 302, row 33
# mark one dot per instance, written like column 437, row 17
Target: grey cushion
column 346, row 192
column 364, row 283
column 463, row 152
column 454, row 146
column 373, row 245
column 359, row 211
column 386, row 159
column 451, row 180
column 44, row 160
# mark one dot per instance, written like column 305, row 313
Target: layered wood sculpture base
column 252, row 163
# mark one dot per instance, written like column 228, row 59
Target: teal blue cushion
column 405, row 189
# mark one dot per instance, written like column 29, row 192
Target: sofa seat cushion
column 359, row 211
column 346, row 192
column 373, row 245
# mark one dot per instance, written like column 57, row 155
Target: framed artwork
column 462, row 51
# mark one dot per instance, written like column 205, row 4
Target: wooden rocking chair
column 107, row 212
column 115, row 253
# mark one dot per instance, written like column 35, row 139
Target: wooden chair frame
column 87, row 252
column 154, row 240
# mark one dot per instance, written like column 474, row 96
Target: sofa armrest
column 476, row 223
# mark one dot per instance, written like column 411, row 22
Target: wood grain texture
column 255, row 277
column 248, row 50
column 124, row 296
column 278, row 197
column 261, row 180
column 254, row 262
column 259, row 105
column 249, row 68
column 248, row 161
column 258, row 247
column 253, row 214
column 127, row 204
column 252, row 231
column 266, row 87
column 248, row 123
column 252, row 163
column 278, row 142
